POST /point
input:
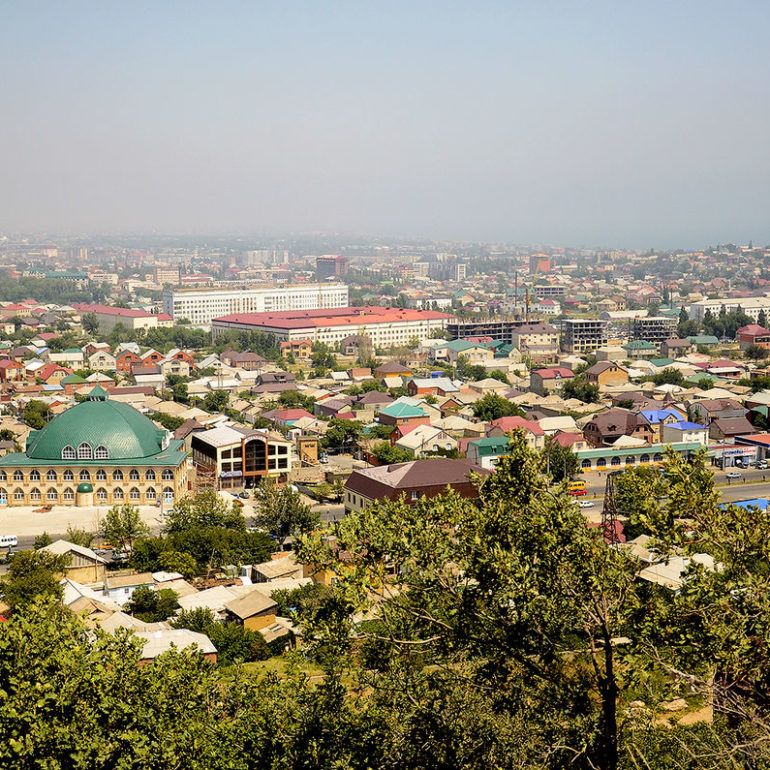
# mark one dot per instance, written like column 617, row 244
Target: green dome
column 112, row 430
column 85, row 487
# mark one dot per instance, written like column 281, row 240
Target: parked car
column 586, row 503
column 762, row 465
column 733, row 475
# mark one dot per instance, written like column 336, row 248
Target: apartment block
column 583, row 335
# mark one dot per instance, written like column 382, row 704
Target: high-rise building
column 164, row 274
column 655, row 328
column 460, row 271
column 201, row 305
column 330, row 266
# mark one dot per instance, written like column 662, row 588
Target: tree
column 492, row 406
column 90, row 323
column 281, row 511
column 152, row 606
column 762, row 318
column 123, row 525
column 505, row 609
column 579, row 388
column 669, row 376
column 756, row 352
column 216, row 401
column 560, row 462
column 42, row 540
column 292, row 399
column 204, row 509
column 178, row 561
column 342, row 435
column 80, row 537
column 32, row 575
column 36, row 414
column 323, row 357
column 387, row 454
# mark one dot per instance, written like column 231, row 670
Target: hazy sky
column 606, row 123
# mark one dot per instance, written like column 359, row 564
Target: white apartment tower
column 201, row 305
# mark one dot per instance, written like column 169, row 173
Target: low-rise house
column 431, row 386
column 399, row 412
column 753, row 334
column 155, row 643
column 425, row 439
column 85, row 565
column 726, row 428
column 657, row 418
column 676, row 347
column 486, row 452
column 392, row 369
column 709, row 409
column 538, row 341
column 412, row 480
column 472, row 352
column 503, row 426
column 120, row 588
column 605, row 428
column 254, row 610
column 250, row 362
column 299, row 349
column 684, row 432
column 274, row 382
column 545, row 381
column 607, row 374
column 640, row 349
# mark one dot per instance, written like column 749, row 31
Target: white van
column 8, row 541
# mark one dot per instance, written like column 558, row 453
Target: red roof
column 340, row 316
column 291, row 414
column 551, row 374
column 754, row 330
column 568, row 439
column 508, row 424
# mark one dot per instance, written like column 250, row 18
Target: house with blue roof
column 684, row 431
column 657, row 418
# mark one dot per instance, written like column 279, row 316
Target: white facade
column 751, row 306
column 201, row 306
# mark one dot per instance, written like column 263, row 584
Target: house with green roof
column 639, row 349
column 399, row 412
column 704, row 340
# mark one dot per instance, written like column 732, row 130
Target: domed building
column 99, row 452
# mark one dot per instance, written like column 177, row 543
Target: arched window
column 101, row 494
column 134, row 493
column 133, row 474
column 3, row 497
column 68, row 475
column 168, row 494
column 101, row 453
column 68, row 494
column 18, row 476
column 601, row 462
column 18, row 495
column 35, row 495
column 585, row 463
column 150, row 493
column 51, row 475
column 117, row 475
column 630, row 460
column 615, row 461
column 101, row 475
column 118, row 493
column 34, row 475
column 167, row 474
column 149, row 475
column 52, row 495
column 68, row 453
column 85, row 475
column 3, row 477
column 644, row 459
column 85, row 452
column 657, row 457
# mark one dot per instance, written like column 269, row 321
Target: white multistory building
column 751, row 306
column 201, row 305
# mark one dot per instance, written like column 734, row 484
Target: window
column 117, row 475
column 68, row 453
column 68, row 475
column 18, row 476
column 35, row 495
column 101, row 475
column 68, row 494
column 134, row 474
column 3, row 497
column 18, row 495
column 657, row 457
column 149, row 475
column 3, row 477
column 51, row 475
column 101, row 453
column 118, row 494
column 168, row 494
column 150, row 494
column 134, row 493
column 615, row 461
column 644, row 459
column 167, row 475
column 414, row 495
column 34, row 475
column 85, row 452
column 85, row 475
column 52, row 495
column 101, row 494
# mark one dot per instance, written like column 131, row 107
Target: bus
column 577, row 488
